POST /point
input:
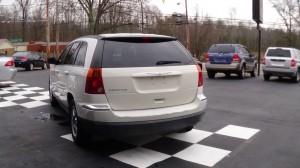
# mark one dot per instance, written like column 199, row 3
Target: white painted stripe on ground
column 33, row 88
column 68, row 137
column 4, row 92
column 33, row 104
column 44, row 93
column 7, row 104
column 24, row 92
column 12, row 98
column 201, row 154
column 19, row 85
column 192, row 136
column 7, row 82
column 10, row 88
column 238, row 131
column 140, row 157
column 45, row 97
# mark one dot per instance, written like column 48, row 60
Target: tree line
column 26, row 19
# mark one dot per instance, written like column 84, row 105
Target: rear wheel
column 29, row 67
column 80, row 137
column 241, row 73
column 296, row 78
column 44, row 66
column 267, row 77
column 210, row 74
column 253, row 73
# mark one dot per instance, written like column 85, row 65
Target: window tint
column 81, row 54
column 222, row 48
column 144, row 54
column 70, row 58
column 63, row 55
column 279, row 53
column 245, row 51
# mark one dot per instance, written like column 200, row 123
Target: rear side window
column 71, row 54
column 81, row 54
column 139, row 53
column 222, row 49
column 279, row 53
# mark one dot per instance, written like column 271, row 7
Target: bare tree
column 24, row 5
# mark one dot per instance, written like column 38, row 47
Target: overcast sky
column 218, row 8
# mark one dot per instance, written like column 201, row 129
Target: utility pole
column 187, row 27
column 57, row 31
column 47, row 30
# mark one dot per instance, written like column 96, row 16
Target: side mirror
column 52, row 61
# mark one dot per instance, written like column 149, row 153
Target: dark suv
column 230, row 58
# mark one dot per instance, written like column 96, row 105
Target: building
column 6, row 47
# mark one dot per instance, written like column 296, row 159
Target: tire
column 296, row 78
column 44, row 66
column 253, row 73
column 186, row 129
column 267, row 77
column 80, row 137
column 211, row 75
column 241, row 73
column 30, row 67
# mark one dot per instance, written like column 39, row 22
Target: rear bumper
column 8, row 73
column 233, row 67
column 280, row 71
column 21, row 64
column 162, row 126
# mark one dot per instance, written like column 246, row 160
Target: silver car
column 7, row 68
column 281, row 62
column 127, row 85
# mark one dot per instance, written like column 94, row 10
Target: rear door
column 148, row 74
column 278, row 58
column 221, row 53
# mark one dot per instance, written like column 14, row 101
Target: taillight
column 264, row 61
column 236, row 58
column 24, row 58
column 293, row 63
column 200, row 77
column 94, row 81
column 207, row 57
column 10, row 63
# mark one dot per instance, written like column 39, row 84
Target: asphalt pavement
column 249, row 123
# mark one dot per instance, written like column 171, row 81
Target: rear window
column 221, row 49
column 279, row 53
column 144, row 53
column 20, row 54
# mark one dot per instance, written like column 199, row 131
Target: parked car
column 7, row 68
column 230, row 58
column 281, row 62
column 127, row 85
column 29, row 60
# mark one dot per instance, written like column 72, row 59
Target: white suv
column 281, row 62
column 127, row 85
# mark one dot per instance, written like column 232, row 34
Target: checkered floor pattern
column 12, row 94
column 197, row 147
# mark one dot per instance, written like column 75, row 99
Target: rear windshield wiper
column 167, row 62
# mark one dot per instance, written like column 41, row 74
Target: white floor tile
column 44, row 93
column 192, row 136
column 33, row 88
column 19, row 85
column 4, row 92
column 7, row 82
column 140, row 157
column 24, row 92
column 7, row 104
column 68, row 137
column 33, row 104
column 238, row 132
column 40, row 98
column 202, row 154
column 12, row 98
